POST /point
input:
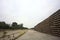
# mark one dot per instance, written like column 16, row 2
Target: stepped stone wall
column 51, row 25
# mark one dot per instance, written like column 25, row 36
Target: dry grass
column 14, row 34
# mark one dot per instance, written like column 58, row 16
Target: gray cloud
column 29, row 12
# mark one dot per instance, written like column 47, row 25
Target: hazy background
column 28, row 12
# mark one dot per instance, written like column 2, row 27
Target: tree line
column 14, row 25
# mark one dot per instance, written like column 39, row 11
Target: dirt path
column 34, row 35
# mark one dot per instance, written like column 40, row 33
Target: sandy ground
column 8, row 32
column 12, row 34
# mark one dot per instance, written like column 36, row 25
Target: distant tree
column 21, row 25
column 31, row 28
column 7, row 26
column 3, row 25
column 25, row 28
column 14, row 24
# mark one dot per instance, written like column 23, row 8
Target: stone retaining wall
column 51, row 25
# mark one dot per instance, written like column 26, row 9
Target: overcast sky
column 28, row 12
